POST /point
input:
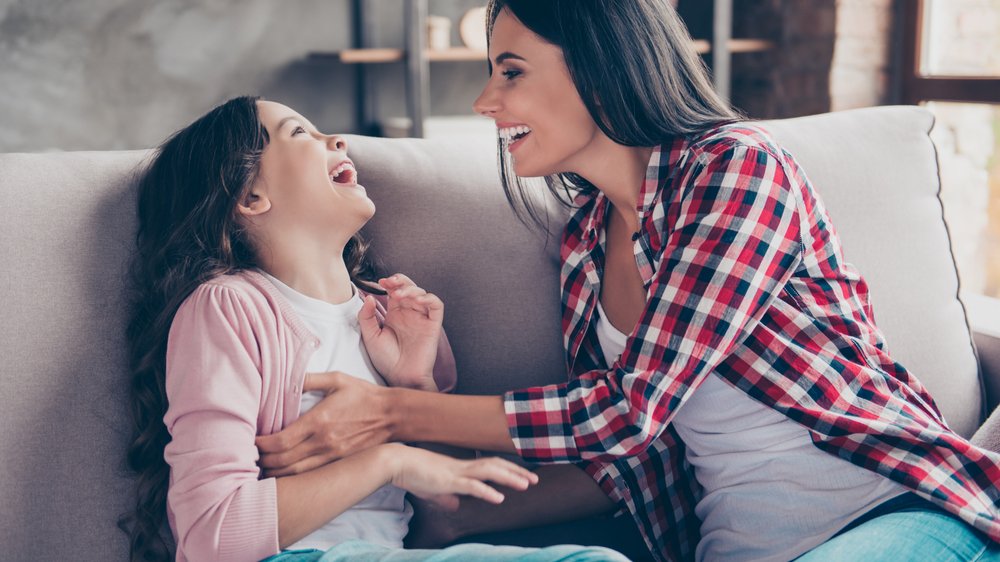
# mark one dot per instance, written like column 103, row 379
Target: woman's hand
column 349, row 419
column 404, row 347
column 440, row 479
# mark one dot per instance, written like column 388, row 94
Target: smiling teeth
column 508, row 133
column 339, row 170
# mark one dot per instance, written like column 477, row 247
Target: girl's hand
column 440, row 479
column 404, row 347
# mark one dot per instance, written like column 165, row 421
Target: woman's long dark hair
column 634, row 66
column 189, row 232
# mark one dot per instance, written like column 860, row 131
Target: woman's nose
column 486, row 104
column 337, row 142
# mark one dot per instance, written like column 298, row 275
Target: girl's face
column 306, row 179
column 530, row 89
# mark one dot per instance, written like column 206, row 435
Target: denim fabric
column 360, row 551
column 908, row 535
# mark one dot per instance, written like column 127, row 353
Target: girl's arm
column 220, row 508
column 308, row 500
column 564, row 492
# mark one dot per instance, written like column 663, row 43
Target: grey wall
column 117, row 74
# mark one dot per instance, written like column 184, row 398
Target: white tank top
column 769, row 493
column 383, row 517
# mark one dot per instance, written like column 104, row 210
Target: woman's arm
column 473, row 422
column 357, row 415
column 733, row 246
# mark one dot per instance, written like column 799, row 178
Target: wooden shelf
column 704, row 47
column 719, row 49
column 378, row 56
column 358, row 56
column 455, row 54
column 751, row 45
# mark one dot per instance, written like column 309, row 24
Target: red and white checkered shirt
column 745, row 278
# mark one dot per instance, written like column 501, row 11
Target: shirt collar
column 662, row 163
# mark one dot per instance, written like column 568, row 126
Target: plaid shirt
column 745, row 278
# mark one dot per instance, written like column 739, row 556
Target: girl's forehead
column 272, row 113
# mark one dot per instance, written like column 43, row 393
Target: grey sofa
column 66, row 230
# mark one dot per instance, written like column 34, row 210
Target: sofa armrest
column 988, row 346
column 984, row 318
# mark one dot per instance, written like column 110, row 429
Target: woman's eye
column 511, row 74
column 297, row 130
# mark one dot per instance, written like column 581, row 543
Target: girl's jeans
column 360, row 551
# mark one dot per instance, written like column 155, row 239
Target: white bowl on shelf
column 472, row 29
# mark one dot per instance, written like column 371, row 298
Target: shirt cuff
column 540, row 425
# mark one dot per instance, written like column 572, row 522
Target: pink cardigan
column 236, row 361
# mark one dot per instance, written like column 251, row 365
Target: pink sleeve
column 445, row 372
column 220, row 508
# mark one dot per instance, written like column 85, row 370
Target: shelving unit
column 721, row 47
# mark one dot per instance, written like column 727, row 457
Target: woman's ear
column 254, row 204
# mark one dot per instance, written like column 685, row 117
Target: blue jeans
column 917, row 532
column 361, row 551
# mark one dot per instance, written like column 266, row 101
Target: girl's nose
column 337, row 142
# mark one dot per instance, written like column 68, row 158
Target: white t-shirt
column 383, row 517
column 769, row 493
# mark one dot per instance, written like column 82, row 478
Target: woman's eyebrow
column 507, row 55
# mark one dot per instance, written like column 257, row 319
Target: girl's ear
column 254, row 204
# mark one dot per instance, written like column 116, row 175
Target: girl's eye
column 297, row 130
column 511, row 74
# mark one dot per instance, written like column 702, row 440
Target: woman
column 731, row 389
column 250, row 271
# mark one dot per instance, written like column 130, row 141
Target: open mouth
column 512, row 135
column 344, row 174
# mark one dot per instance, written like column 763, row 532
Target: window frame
column 917, row 87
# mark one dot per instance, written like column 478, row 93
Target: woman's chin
column 527, row 170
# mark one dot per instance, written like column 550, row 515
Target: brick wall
column 860, row 73
column 831, row 55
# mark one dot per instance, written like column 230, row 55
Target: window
column 951, row 65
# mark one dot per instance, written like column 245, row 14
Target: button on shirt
column 746, row 279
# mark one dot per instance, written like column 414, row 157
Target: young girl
column 250, row 273
column 731, row 390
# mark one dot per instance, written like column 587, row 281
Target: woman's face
column 530, row 89
column 306, row 176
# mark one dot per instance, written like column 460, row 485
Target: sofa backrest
column 877, row 171
column 66, row 233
